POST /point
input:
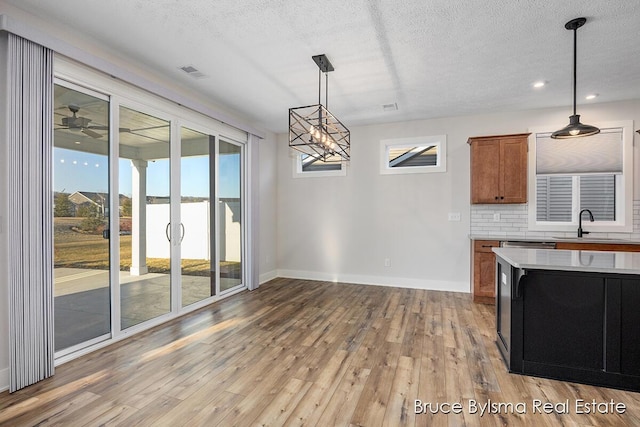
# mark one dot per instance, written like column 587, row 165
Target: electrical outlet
column 454, row 216
column 387, row 262
column 496, row 217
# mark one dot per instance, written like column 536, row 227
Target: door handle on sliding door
column 166, row 231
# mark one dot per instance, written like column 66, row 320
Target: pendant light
column 313, row 130
column 575, row 129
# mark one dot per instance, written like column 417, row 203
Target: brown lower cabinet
column 578, row 246
column 483, row 265
column 484, row 271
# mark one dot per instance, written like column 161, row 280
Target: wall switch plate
column 496, row 217
column 454, row 216
column 387, row 262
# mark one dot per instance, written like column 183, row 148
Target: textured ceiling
column 434, row 58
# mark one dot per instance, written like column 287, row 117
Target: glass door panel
column 196, row 216
column 230, row 214
column 145, row 221
column 82, row 306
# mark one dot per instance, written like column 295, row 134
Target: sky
column 79, row 171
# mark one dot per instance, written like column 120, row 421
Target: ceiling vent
column 193, row 71
column 390, row 107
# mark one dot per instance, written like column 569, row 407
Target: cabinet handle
column 488, row 246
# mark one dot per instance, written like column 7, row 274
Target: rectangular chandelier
column 314, row 131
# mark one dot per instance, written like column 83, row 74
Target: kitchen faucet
column 580, row 232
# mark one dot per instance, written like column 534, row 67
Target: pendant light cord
column 326, row 90
column 575, row 74
column 319, row 84
column 319, row 99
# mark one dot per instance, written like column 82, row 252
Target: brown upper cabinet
column 499, row 168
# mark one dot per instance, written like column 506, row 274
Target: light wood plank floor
column 307, row 353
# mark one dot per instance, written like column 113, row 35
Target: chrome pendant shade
column 314, row 131
column 575, row 129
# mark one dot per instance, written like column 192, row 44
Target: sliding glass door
column 197, row 187
column 211, row 250
column 81, row 217
column 230, row 214
column 148, row 216
column 145, row 217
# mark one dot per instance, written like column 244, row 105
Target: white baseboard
column 398, row 282
column 4, row 379
column 269, row 275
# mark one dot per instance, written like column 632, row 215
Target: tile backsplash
column 511, row 221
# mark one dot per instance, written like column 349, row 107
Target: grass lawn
column 91, row 251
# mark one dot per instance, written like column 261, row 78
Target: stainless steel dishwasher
column 527, row 245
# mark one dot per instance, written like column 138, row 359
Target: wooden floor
column 308, row 353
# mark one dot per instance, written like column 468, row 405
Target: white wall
column 343, row 228
column 268, row 207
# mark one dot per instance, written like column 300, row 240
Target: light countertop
column 565, row 260
column 588, row 239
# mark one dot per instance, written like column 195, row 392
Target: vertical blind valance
column 600, row 153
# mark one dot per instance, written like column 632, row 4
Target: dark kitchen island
column 570, row 315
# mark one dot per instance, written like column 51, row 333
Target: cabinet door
column 564, row 319
column 484, row 271
column 513, row 165
column 485, row 171
column 630, row 327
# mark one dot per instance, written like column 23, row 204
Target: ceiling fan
column 76, row 122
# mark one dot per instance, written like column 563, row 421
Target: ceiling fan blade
column 102, row 127
column 91, row 133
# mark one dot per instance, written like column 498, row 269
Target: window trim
column 299, row 173
column 386, row 144
column 624, row 204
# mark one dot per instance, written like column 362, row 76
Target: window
column 592, row 173
column 555, row 197
column 413, row 155
column 306, row 165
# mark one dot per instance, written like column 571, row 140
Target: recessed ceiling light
column 539, row 84
column 591, row 96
